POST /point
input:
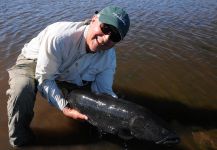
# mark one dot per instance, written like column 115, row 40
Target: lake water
column 167, row 63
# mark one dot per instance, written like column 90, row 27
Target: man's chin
column 99, row 48
column 95, row 49
column 92, row 50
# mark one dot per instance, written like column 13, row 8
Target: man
column 74, row 52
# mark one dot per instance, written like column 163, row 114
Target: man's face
column 96, row 39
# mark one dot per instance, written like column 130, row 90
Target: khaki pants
column 22, row 93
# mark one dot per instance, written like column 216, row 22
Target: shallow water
column 167, row 62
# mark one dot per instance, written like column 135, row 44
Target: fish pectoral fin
column 125, row 134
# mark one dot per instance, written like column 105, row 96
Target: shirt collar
column 83, row 42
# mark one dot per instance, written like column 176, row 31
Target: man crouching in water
column 74, row 52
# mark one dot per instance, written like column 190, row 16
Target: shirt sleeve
column 49, row 59
column 103, row 82
column 52, row 93
column 47, row 69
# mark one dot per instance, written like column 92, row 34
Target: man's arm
column 103, row 82
column 52, row 93
column 48, row 63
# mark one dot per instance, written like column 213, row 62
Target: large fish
column 123, row 118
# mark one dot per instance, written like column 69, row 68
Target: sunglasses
column 112, row 31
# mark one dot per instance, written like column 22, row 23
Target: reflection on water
column 167, row 62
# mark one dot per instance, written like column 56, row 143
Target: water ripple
column 163, row 33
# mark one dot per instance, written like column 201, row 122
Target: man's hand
column 72, row 113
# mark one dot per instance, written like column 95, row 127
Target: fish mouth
column 169, row 140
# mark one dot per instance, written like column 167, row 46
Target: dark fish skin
column 123, row 118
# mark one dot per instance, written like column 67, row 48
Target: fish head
column 153, row 131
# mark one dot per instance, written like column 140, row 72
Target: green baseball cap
column 116, row 17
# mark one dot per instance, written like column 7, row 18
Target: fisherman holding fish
column 78, row 53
